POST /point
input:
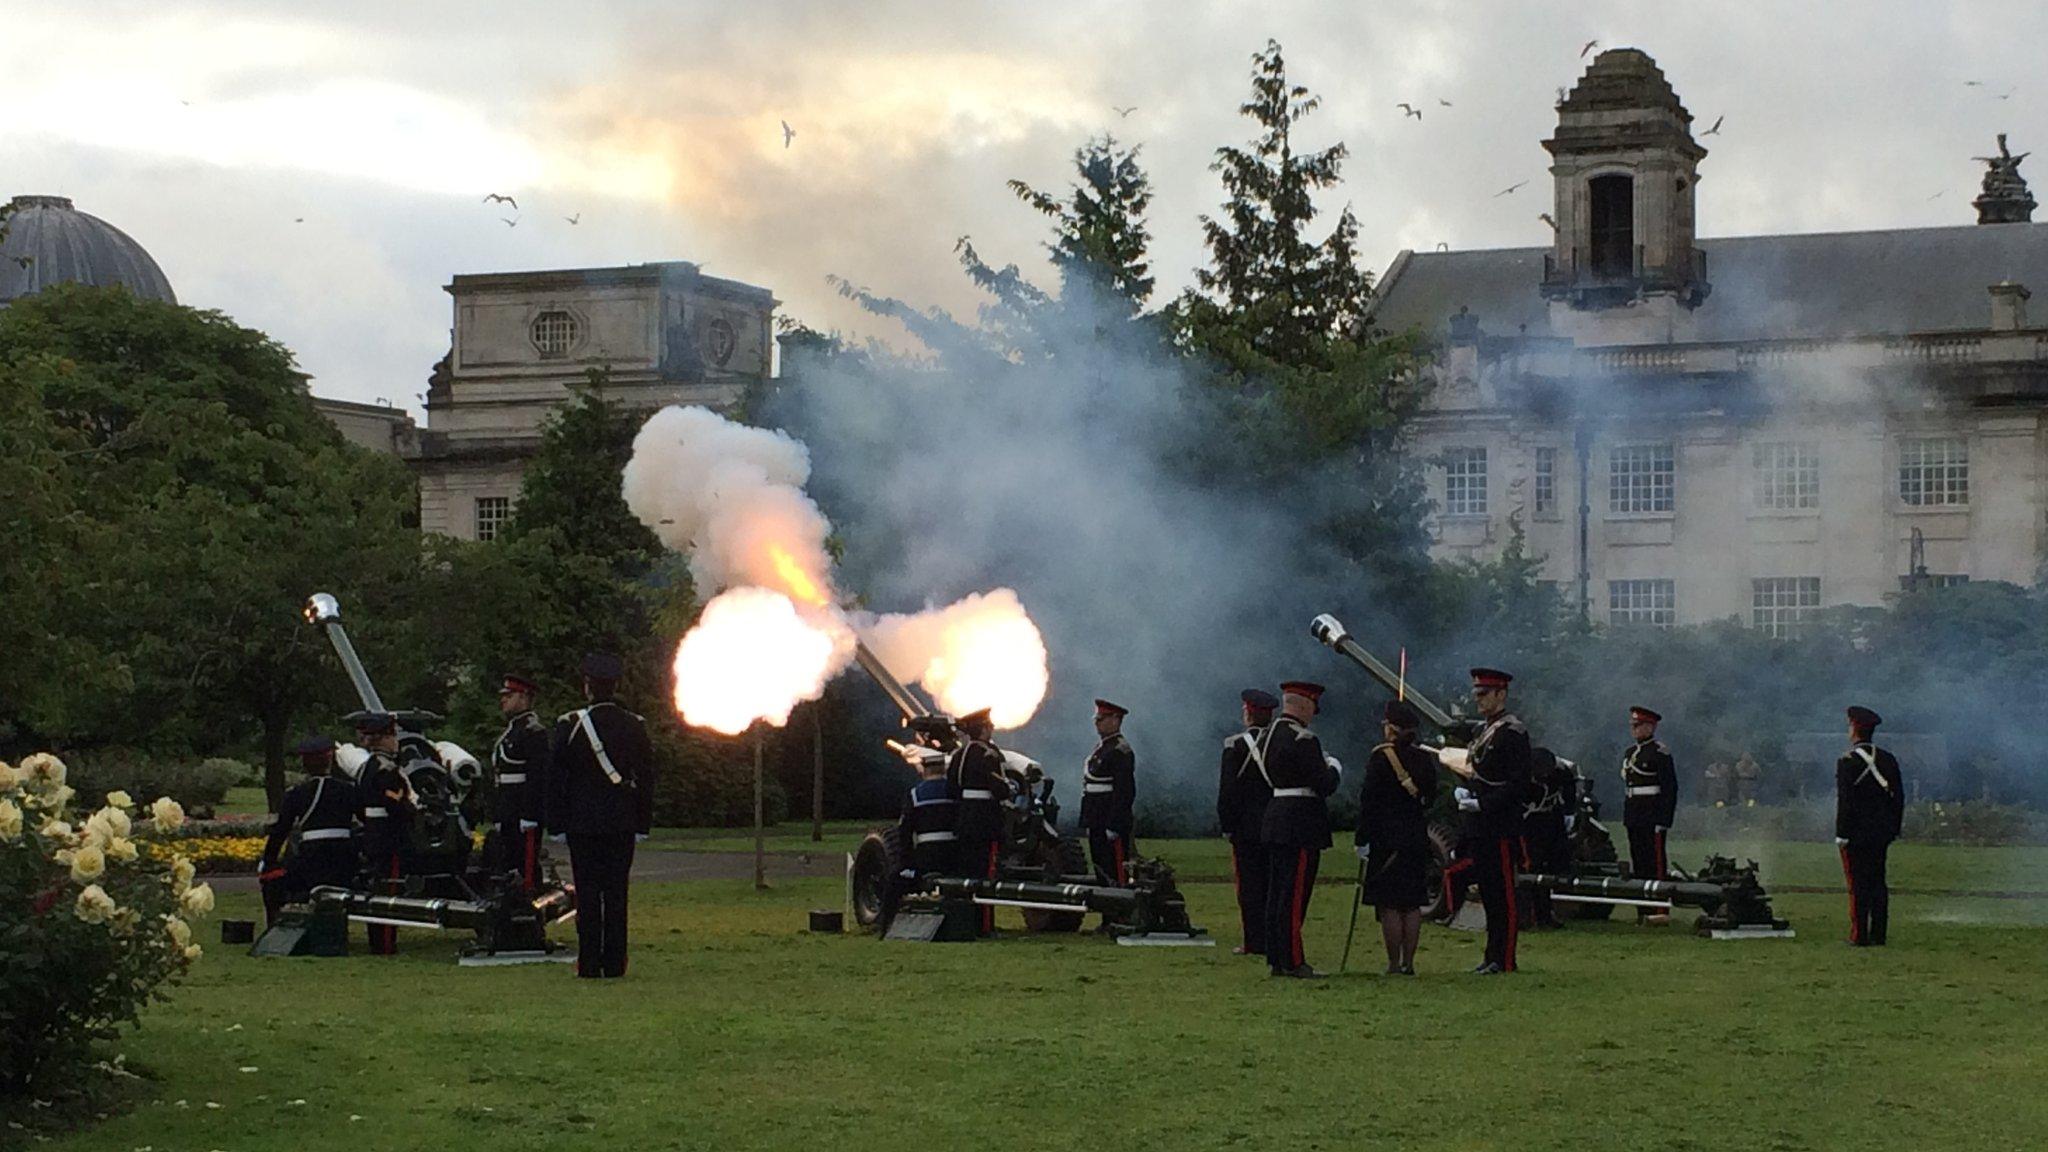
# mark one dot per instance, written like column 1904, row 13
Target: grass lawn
column 736, row 1030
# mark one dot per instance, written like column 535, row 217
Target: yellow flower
column 9, row 778
column 88, row 864
column 191, row 953
column 111, row 821
column 10, row 820
column 43, row 770
column 55, row 829
column 94, row 905
column 181, row 875
column 197, row 900
column 121, row 851
column 52, row 799
column 167, row 813
column 180, row 932
column 119, row 799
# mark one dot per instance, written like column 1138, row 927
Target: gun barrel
column 1330, row 631
column 906, row 701
column 1691, row 894
column 1079, row 897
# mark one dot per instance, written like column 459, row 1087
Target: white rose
column 120, row 799
column 94, row 905
column 53, row 799
column 55, row 829
column 10, row 779
column 180, row 932
column 181, row 875
column 122, row 851
column 191, row 953
column 95, row 833
column 10, row 820
column 168, row 814
column 88, row 864
column 113, row 820
column 197, row 900
column 43, row 770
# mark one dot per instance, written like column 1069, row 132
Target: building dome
column 50, row 242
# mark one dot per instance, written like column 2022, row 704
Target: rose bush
column 91, row 926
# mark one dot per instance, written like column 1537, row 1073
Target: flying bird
column 574, row 219
column 1510, row 188
column 2006, row 95
column 514, row 223
column 502, row 200
column 1545, row 217
column 1410, row 109
column 1443, row 103
column 788, row 134
column 1715, row 130
column 1939, row 195
column 298, row 219
column 1590, row 45
column 1973, row 83
column 1123, row 112
column 1562, row 95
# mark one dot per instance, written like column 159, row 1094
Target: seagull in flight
column 574, row 219
column 1410, row 110
column 1509, row 189
column 1123, row 112
column 1443, row 103
column 508, row 223
column 788, row 134
column 502, row 200
column 1590, row 45
column 1545, row 217
column 1716, row 129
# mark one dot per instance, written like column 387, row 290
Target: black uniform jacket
column 1241, row 789
column 930, row 825
column 1298, row 816
column 1500, row 759
column 975, row 772
column 582, row 798
column 519, row 763
column 1557, row 790
column 1649, row 783
column 384, row 804
column 1109, row 786
column 1393, row 807
column 322, row 805
column 1870, row 796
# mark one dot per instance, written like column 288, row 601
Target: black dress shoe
column 1303, row 972
column 1407, row 969
column 1488, row 969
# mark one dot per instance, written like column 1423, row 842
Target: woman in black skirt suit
column 1393, row 832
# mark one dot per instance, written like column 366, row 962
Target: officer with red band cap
column 519, row 765
column 1296, row 827
column 1649, row 781
column 1109, row 794
column 1498, row 768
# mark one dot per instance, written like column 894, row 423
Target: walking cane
column 1356, row 898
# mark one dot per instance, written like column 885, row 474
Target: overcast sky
column 208, row 130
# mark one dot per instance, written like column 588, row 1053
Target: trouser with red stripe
column 529, row 858
column 1870, row 899
column 386, row 877
column 1248, row 876
column 1646, row 859
column 1110, row 851
column 980, row 858
column 1493, row 866
column 1290, row 881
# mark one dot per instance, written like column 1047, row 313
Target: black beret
column 315, row 746
column 1259, row 699
column 1402, row 714
column 603, row 666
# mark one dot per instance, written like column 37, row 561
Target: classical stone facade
column 1754, row 427
column 661, row 333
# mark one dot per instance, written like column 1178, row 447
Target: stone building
column 1756, row 427
column 49, row 241
column 663, row 333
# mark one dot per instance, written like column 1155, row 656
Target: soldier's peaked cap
column 979, row 718
column 517, row 683
column 603, row 666
column 373, row 723
column 1308, row 688
column 1863, row 717
column 1490, row 678
column 1639, row 713
column 313, row 746
column 1106, row 708
column 1259, row 699
column 936, row 723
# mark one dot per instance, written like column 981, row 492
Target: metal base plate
column 1164, row 940
column 501, row 959
column 916, row 927
column 1751, row 932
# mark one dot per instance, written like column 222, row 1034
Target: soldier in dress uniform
column 1546, row 830
column 385, row 808
column 1649, row 782
column 1393, row 833
column 1109, row 792
column 600, row 795
column 1870, row 804
column 1296, row 826
column 1241, row 797
column 519, row 765
column 1497, row 767
column 975, row 773
column 928, row 831
column 312, row 834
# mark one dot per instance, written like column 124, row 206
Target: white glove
column 1335, row 764
column 528, row 825
column 1362, row 851
column 1841, row 842
column 1467, row 802
column 1662, row 828
column 1570, row 822
column 559, row 838
column 639, row 837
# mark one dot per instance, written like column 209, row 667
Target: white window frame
column 1465, row 481
column 1545, row 471
column 1642, row 480
column 490, row 516
column 1781, row 606
column 1652, row 601
column 1785, row 476
column 1934, row 472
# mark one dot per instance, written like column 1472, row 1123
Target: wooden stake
column 760, row 843
column 817, row 773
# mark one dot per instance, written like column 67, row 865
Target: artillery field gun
column 1732, row 901
column 443, row 886
column 1040, row 872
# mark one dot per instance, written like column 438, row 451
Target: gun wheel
column 1063, row 857
column 879, row 857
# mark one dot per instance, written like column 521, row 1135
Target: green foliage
column 1099, row 235
column 198, row 787
column 708, row 782
column 572, row 485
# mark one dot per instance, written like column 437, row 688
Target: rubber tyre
column 1442, row 842
column 1062, row 858
column 875, row 862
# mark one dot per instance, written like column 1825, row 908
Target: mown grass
column 736, row 1030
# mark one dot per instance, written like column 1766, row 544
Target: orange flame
column 753, row 657
column 800, row 584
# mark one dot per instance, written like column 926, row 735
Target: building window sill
column 1638, row 517
column 1784, row 513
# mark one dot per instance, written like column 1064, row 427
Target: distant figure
column 1109, row 793
column 1870, row 804
column 1393, row 833
column 1649, row 782
column 975, row 773
column 1716, row 784
column 1241, row 798
column 312, row 836
column 1499, row 763
column 928, row 831
column 519, row 765
column 600, row 795
column 1296, row 827
column 1748, row 780
column 1546, row 830
column 385, row 808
